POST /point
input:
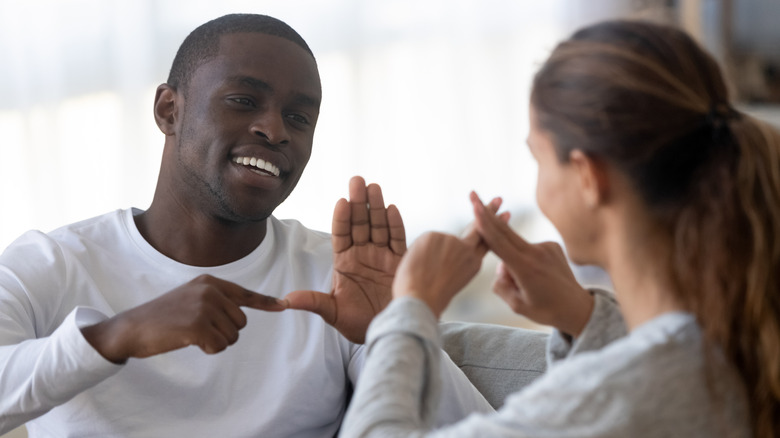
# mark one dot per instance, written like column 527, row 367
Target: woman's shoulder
column 658, row 377
column 660, row 348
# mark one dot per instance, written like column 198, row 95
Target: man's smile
column 258, row 165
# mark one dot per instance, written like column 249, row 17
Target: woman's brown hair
column 646, row 98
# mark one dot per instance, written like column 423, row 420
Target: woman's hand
column 534, row 279
column 437, row 266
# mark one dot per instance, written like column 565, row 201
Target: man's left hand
column 368, row 242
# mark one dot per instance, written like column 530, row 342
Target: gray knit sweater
column 658, row 381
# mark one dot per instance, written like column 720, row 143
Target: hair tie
column 718, row 118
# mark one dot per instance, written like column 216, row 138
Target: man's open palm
column 368, row 242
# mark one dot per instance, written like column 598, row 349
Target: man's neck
column 197, row 239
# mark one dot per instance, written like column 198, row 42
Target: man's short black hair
column 203, row 42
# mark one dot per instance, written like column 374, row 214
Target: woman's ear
column 593, row 177
column 165, row 109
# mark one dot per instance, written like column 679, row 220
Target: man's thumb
column 316, row 302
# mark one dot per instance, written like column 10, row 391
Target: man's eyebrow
column 255, row 83
column 306, row 100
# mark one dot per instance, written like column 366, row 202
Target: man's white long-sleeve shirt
column 288, row 375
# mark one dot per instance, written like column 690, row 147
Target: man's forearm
column 39, row 374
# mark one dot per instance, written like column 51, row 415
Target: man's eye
column 243, row 101
column 298, row 118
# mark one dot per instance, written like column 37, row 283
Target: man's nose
column 270, row 125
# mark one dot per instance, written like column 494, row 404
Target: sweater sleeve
column 648, row 384
column 400, row 384
column 605, row 325
column 38, row 374
column 448, row 395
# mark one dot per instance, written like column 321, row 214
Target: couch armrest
column 498, row 360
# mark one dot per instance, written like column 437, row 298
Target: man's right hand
column 204, row 312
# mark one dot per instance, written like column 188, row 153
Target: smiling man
column 120, row 325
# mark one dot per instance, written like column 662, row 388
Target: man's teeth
column 258, row 163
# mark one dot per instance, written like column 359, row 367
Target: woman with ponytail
column 647, row 170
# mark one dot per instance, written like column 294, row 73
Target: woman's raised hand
column 534, row 279
column 437, row 266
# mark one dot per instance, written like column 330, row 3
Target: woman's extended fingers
column 472, row 237
column 496, row 233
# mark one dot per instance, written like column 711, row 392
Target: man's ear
column 166, row 109
column 593, row 177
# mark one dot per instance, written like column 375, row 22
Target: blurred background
column 426, row 97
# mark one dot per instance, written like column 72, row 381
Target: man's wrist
column 100, row 337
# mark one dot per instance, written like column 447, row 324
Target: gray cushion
column 499, row 360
